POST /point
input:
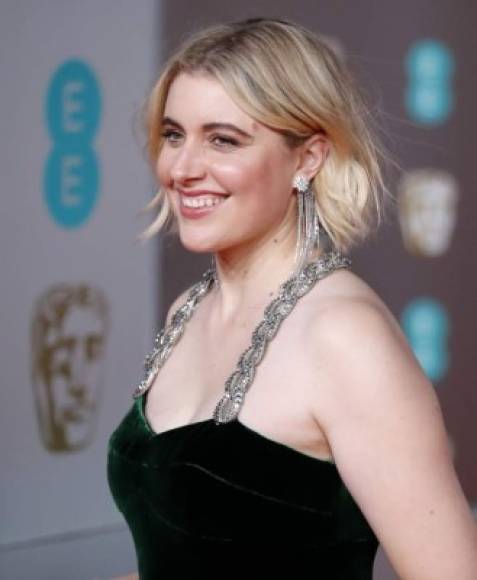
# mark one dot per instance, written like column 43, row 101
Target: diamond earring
column 301, row 183
column 308, row 230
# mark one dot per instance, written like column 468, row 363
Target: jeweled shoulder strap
column 289, row 292
column 171, row 333
column 277, row 310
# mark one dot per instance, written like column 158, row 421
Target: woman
column 291, row 428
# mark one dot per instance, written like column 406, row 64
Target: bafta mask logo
column 427, row 211
column 69, row 332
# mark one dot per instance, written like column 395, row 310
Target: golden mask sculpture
column 427, row 211
column 69, row 331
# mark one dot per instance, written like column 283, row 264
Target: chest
column 277, row 403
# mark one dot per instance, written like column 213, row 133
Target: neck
column 248, row 278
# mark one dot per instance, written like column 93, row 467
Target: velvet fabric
column 223, row 501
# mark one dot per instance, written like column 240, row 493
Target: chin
column 198, row 246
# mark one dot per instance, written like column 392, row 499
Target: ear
column 313, row 153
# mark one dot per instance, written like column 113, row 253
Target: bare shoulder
column 386, row 430
column 346, row 293
column 359, row 351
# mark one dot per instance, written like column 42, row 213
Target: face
column 428, row 211
column 68, row 379
column 227, row 176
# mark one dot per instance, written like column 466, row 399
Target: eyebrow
column 210, row 127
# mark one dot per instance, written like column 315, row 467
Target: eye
column 224, row 141
column 171, row 136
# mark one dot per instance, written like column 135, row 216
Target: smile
column 201, row 200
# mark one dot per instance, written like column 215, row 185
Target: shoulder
column 343, row 308
column 358, row 347
column 385, row 427
column 345, row 312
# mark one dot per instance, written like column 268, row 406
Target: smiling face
column 228, row 177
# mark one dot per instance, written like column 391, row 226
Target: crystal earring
column 213, row 269
column 308, row 230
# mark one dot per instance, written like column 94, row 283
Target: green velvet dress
column 210, row 500
column 205, row 499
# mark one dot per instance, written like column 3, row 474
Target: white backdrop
column 83, row 236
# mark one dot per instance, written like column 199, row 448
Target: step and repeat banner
column 80, row 300
column 79, row 296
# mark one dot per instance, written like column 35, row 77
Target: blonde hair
column 290, row 80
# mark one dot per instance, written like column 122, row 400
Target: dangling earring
column 308, row 230
column 213, row 269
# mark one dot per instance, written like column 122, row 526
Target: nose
column 188, row 163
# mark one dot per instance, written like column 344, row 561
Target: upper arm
column 385, row 427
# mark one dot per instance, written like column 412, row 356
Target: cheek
column 233, row 175
column 244, row 176
column 268, row 181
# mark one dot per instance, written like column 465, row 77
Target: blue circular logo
column 71, row 181
column 429, row 95
column 71, row 175
column 426, row 325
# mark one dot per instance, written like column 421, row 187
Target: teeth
column 201, row 201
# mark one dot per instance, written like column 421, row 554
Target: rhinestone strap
column 170, row 334
column 279, row 308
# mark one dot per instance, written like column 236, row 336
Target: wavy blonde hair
column 292, row 81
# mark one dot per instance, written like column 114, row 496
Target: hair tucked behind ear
column 291, row 80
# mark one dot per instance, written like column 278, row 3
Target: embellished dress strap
column 238, row 383
column 170, row 334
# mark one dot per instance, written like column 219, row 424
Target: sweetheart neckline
column 157, row 435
